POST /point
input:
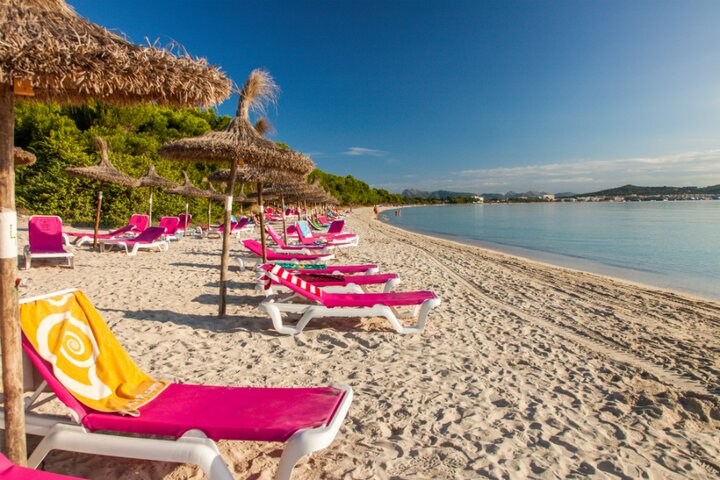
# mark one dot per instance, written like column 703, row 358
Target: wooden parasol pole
column 209, row 213
column 150, row 211
column 9, row 315
column 262, row 222
column 97, row 215
column 282, row 199
column 187, row 212
column 226, row 239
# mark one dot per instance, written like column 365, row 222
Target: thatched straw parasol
column 152, row 181
column 67, row 58
column 188, row 190
column 49, row 53
column 23, row 158
column 239, row 143
column 104, row 172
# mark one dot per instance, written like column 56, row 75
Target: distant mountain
column 565, row 194
column 530, row 194
column 627, row 190
column 437, row 194
column 493, row 196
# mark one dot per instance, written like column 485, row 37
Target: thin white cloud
column 699, row 168
column 365, row 152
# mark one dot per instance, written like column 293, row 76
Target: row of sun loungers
column 178, row 422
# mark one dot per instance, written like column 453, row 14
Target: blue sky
column 469, row 96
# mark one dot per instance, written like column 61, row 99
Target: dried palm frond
column 239, row 141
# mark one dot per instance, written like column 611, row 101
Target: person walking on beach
column 375, row 210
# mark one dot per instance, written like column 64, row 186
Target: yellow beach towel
column 85, row 356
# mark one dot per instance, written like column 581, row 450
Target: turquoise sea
column 673, row 245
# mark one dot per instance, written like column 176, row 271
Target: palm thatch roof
column 249, row 174
column 187, row 189
column 236, row 198
column 152, row 179
column 239, row 141
column 103, row 171
column 23, row 158
column 67, row 58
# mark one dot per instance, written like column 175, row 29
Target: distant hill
column 437, row 194
column 565, row 194
column 529, row 194
column 627, row 190
column 493, row 196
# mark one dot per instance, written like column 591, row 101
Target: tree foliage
column 62, row 137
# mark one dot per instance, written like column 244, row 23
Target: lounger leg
column 390, row 285
column 190, row 448
column 277, row 321
column 422, row 316
column 304, row 442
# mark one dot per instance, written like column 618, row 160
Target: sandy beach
column 525, row 370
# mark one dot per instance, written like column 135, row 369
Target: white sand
column 525, row 370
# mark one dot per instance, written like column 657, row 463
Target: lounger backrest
column 243, row 221
column 181, row 222
column 45, row 233
column 46, row 372
column 121, row 230
column 294, row 283
column 275, row 237
column 253, row 246
column 140, row 222
column 170, row 224
column 336, row 226
column 303, row 229
column 150, row 235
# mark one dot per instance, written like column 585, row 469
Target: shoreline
column 525, row 370
column 567, row 262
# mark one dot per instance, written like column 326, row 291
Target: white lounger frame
column 89, row 238
column 107, row 245
column 275, row 306
column 29, row 256
column 64, row 433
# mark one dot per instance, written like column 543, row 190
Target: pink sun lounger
column 10, row 471
column 308, row 249
column 150, row 239
column 305, row 419
column 171, row 226
column 82, row 238
column 302, row 229
column 181, row 224
column 139, row 221
column 333, row 282
column 329, row 304
column 256, row 249
column 365, row 269
column 46, row 240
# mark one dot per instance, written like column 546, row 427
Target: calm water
column 673, row 245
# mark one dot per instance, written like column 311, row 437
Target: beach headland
column 525, row 370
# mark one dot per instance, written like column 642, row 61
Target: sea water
column 673, row 245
